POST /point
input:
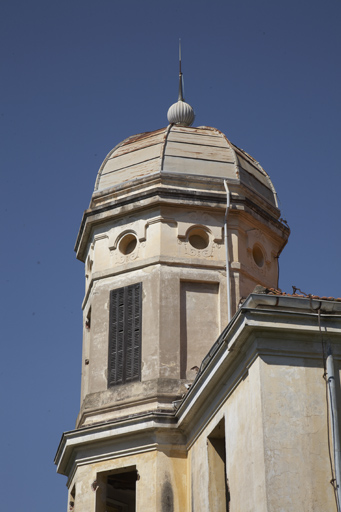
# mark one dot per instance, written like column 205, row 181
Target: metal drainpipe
column 228, row 293
column 335, row 420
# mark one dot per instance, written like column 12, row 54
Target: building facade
column 179, row 412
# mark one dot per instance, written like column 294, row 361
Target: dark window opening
column 198, row 238
column 219, row 493
column 125, row 335
column 119, row 492
column 72, row 499
column 88, row 320
column 128, row 244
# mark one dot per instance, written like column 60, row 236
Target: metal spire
column 181, row 95
column 180, row 113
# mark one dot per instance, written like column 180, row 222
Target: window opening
column 128, row 244
column 258, row 256
column 125, row 335
column 120, row 492
column 219, row 494
column 88, row 320
column 198, row 238
column 72, row 499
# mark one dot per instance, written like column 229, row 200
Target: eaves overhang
column 261, row 326
column 104, row 433
column 171, row 189
column 253, row 331
column 155, row 192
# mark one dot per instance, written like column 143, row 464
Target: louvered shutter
column 125, row 335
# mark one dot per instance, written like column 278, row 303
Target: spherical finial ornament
column 181, row 113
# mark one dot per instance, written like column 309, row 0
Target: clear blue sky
column 80, row 76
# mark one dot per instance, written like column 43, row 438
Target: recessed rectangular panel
column 199, row 323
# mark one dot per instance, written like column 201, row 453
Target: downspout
column 228, row 293
column 335, row 422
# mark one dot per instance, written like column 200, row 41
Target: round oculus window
column 198, row 238
column 128, row 244
column 258, row 256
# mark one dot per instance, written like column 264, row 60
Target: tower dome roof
column 183, row 150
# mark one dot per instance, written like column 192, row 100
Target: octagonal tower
column 153, row 245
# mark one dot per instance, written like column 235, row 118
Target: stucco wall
column 161, row 484
column 276, row 440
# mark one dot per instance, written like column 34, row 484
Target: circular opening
column 128, row 244
column 258, row 255
column 198, row 239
